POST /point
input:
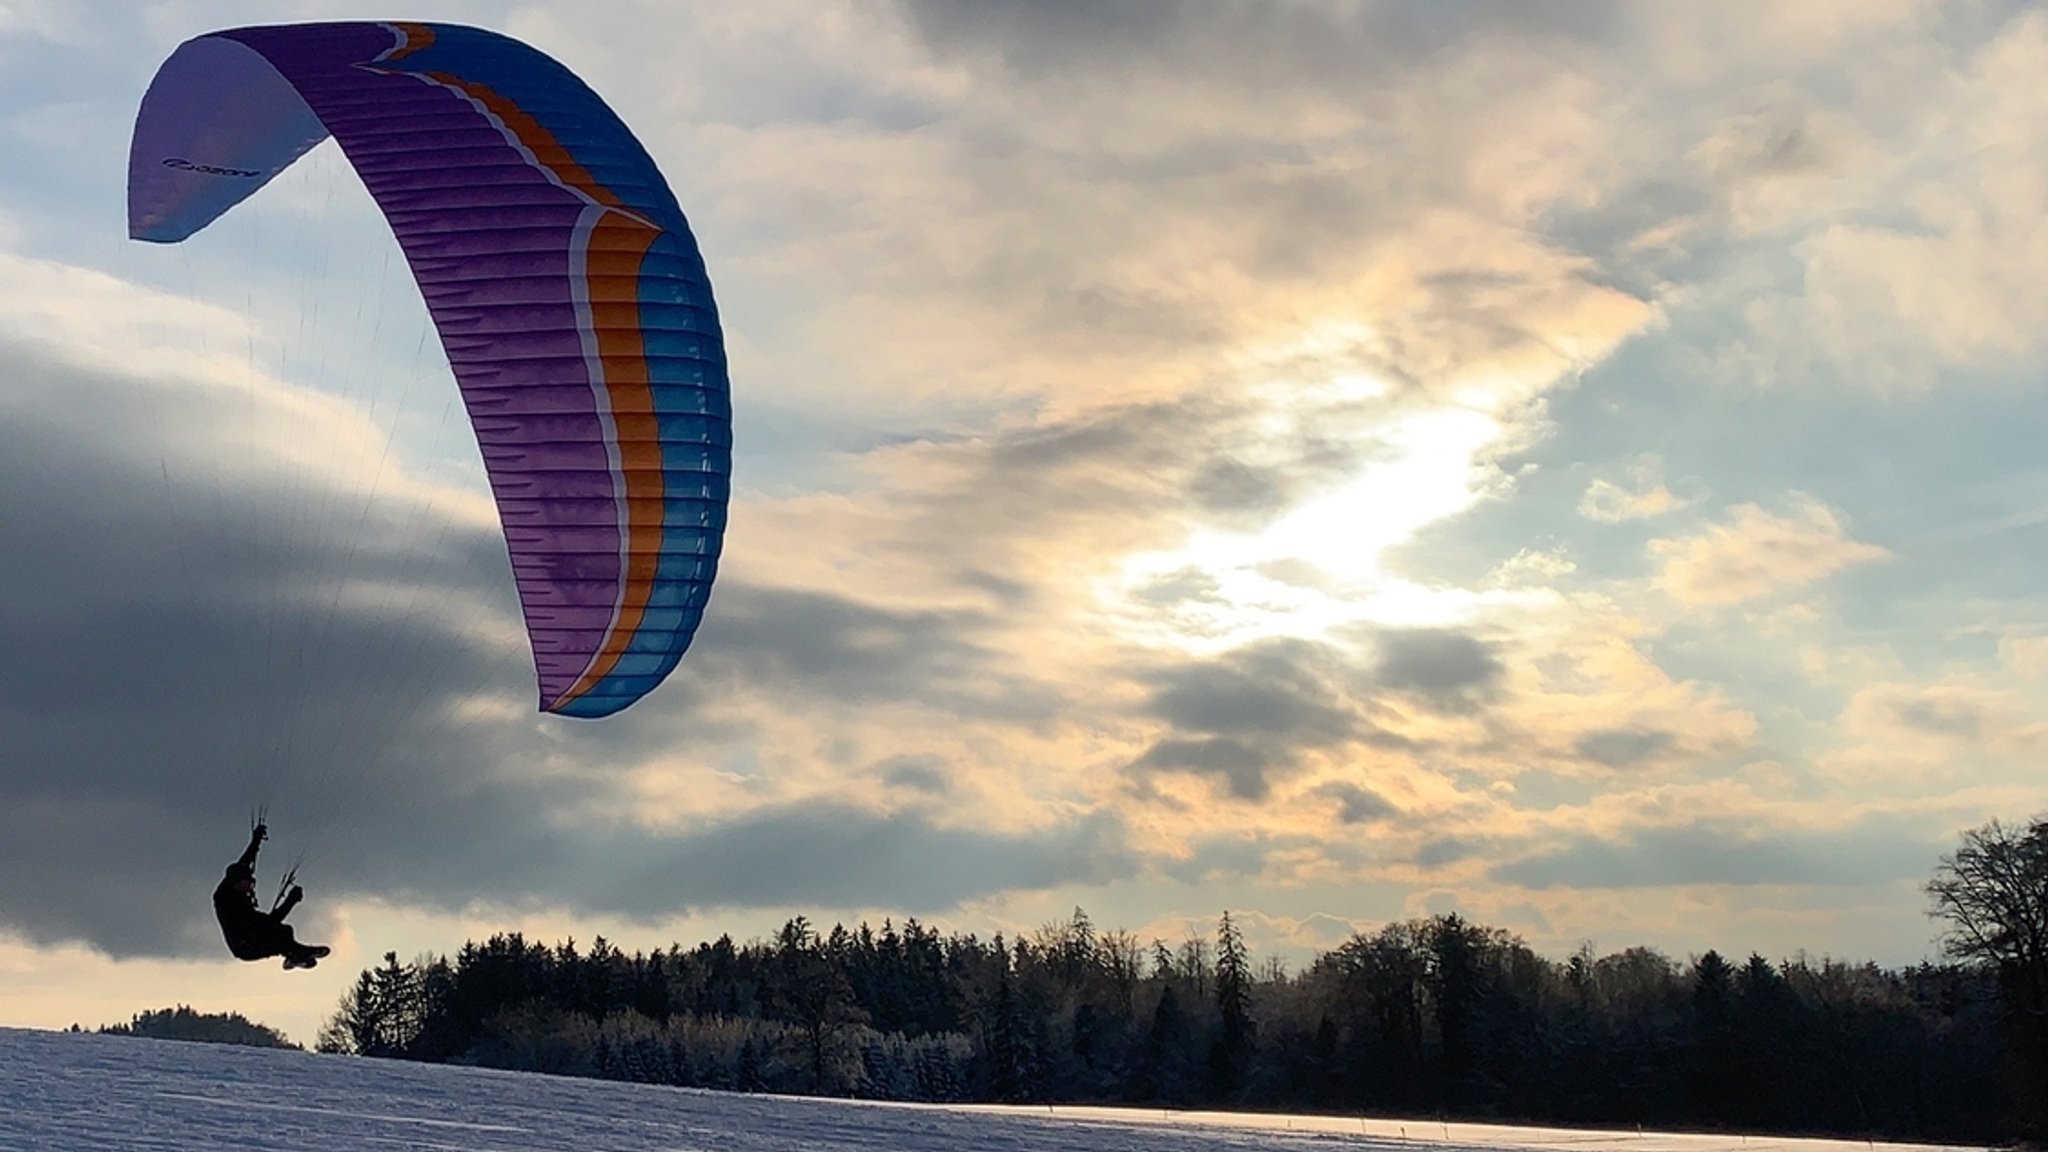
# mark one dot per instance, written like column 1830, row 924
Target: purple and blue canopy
column 564, row 282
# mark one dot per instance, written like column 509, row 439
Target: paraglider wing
column 566, row 287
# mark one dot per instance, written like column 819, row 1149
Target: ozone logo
column 184, row 165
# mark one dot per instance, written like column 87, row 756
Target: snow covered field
column 77, row 1092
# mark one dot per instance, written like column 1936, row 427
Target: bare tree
column 1993, row 892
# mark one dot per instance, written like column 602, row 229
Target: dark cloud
column 181, row 640
column 1439, row 851
column 1623, row 747
column 1241, row 767
column 1248, row 714
column 1723, row 853
column 925, row 774
column 176, row 648
column 835, row 647
column 1273, row 688
column 841, row 856
column 1345, row 47
column 1238, row 490
column 1359, row 805
column 1451, row 670
column 818, row 647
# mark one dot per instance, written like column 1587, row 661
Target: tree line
column 1436, row 1016
column 184, row 1023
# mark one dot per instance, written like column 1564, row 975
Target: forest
column 1426, row 1017
column 1435, row 1017
column 184, row 1023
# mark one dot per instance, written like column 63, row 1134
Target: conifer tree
column 1231, row 1052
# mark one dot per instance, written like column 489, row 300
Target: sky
column 1574, row 465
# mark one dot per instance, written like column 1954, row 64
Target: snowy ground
column 77, row 1092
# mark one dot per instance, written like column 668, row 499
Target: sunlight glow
column 1430, row 477
column 1320, row 565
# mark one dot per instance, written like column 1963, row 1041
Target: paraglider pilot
column 251, row 933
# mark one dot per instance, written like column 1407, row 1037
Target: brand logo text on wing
column 184, row 165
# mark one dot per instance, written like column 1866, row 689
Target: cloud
column 1623, row 747
column 1639, row 494
column 1439, row 851
column 1242, row 767
column 1358, row 805
column 1719, row 853
column 1963, row 736
column 105, row 323
column 1304, row 45
column 834, row 647
column 1121, row 222
column 1255, row 714
column 188, row 641
column 837, row 856
column 1907, row 200
column 1220, row 858
column 925, row 774
column 1273, row 688
column 1757, row 553
column 1940, row 717
column 1609, row 503
column 2023, row 653
column 186, row 648
column 1251, row 713
column 1451, row 670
